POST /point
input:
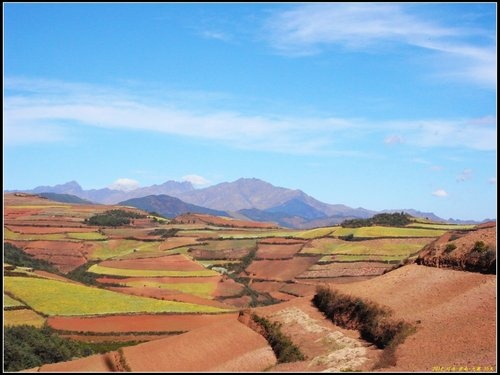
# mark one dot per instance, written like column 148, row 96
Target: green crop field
column 119, row 248
column 89, row 236
column 203, row 290
column 440, row 226
column 21, row 317
column 8, row 301
column 51, row 297
column 368, row 247
column 10, row 235
column 148, row 273
column 363, row 258
column 380, row 231
column 228, row 244
column 315, row 233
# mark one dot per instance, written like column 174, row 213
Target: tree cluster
column 397, row 219
column 113, row 218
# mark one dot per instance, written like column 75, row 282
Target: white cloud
column 124, row 184
column 441, row 193
column 196, row 180
column 217, row 35
column 311, row 28
column 51, row 109
column 492, row 180
column 465, row 175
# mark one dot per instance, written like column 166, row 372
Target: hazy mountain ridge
column 250, row 198
column 168, row 206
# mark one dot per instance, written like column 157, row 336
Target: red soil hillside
column 469, row 251
column 454, row 312
column 227, row 346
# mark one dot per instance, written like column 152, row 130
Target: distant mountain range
column 246, row 199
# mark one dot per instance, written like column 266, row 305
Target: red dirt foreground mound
column 473, row 251
column 454, row 313
column 228, row 346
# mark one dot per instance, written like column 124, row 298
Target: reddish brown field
column 345, row 269
column 165, row 280
column 454, row 312
column 281, row 296
column 218, row 254
column 174, row 242
column 280, row 270
column 227, row 288
column 281, row 241
column 240, row 302
column 46, row 230
column 169, row 262
column 94, row 363
column 273, row 251
column 138, row 323
column 266, row 286
column 225, row 346
column 299, row 289
column 64, row 255
column 119, row 337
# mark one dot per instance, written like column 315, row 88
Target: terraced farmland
column 101, row 270
column 45, row 296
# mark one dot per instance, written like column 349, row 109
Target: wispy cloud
column 217, row 35
column 124, row 184
column 313, row 28
column 492, row 181
column 440, row 193
column 49, row 110
column 196, row 180
column 465, row 175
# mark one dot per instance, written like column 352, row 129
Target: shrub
column 26, row 346
column 450, row 247
column 283, row 347
column 480, row 247
column 17, row 257
column 372, row 320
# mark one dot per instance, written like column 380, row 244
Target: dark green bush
column 283, row 347
column 373, row 321
column 450, row 247
column 17, row 257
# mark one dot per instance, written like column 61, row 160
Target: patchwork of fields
column 132, row 283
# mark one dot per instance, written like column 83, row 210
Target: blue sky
column 375, row 105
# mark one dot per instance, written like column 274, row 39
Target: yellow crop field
column 89, row 236
column 440, row 226
column 383, row 247
column 52, row 297
column 8, row 301
column 24, row 316
column 119, row 248
column 380, row 231
column 204, row 290
column 101, row 270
